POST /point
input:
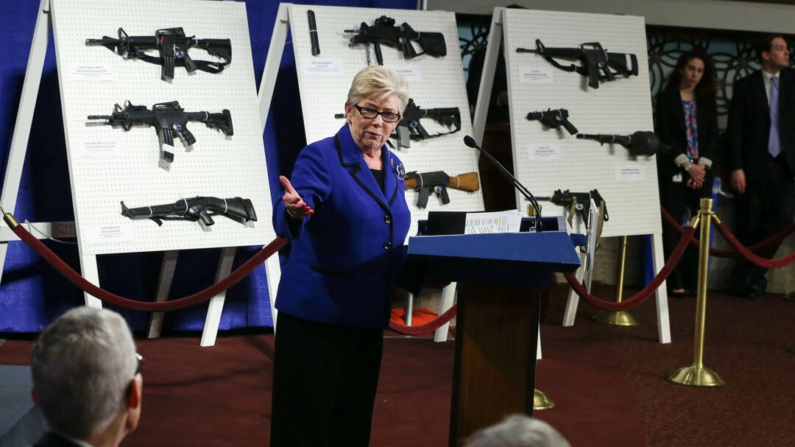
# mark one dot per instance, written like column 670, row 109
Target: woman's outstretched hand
column 293, row 203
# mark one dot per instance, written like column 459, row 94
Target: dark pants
column 324, row 383
column 767, row 207
column 678, row 200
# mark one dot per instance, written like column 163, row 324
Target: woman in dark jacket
column 687, row 120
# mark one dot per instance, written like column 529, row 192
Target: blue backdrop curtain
column 31, row 293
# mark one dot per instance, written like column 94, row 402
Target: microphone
column 469, row 141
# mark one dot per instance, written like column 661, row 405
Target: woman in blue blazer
column 687, row 120
column 345, row 213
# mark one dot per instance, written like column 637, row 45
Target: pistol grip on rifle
column 187, row 136
column 569, row 127
column 378, row 57
column 442, row 191
column 205, row 218
column 420, row 130
column 422, row 199
column 190, row 65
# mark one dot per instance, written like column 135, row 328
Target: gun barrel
column 527, row 50
column 585, row 136
column 104, row 41
column 99, row 117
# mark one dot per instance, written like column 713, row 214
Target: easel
column 479, row 124
column 88, row 263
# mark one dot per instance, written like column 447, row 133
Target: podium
column 498, row 276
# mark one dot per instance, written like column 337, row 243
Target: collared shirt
column 766, row 76
column 74, row 440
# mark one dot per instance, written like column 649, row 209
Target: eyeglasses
column 140, row 366
column 371, row 114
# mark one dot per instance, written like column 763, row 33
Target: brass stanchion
column 622, row 317
column 9, row 218
column 698, row 374
column 541, row 401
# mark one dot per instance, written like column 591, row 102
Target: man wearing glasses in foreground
column 86, row 379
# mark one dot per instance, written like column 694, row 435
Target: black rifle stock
column 639, row 143
column 438, row 182
column 195, row 209
column 173, row 46
column 582, row 200
column 596, row 61
column 411, row 129
column 401, row 37
column 167, row 118
column 553, row 119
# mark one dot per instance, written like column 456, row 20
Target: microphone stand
column 469, row 141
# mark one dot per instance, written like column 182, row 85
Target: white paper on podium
column 495, row 222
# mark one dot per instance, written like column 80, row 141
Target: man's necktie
column 773, row 144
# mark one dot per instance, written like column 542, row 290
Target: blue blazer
column 346, row 256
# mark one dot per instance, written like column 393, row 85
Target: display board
column 547, row 159
column 108, row 165
column 434, row 82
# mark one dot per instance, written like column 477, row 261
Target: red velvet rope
column 647, row 291
column 427, row 327
column 761, row 262
column 117, row 300
column 776, row 238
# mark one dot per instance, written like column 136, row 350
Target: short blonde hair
column 378, row 80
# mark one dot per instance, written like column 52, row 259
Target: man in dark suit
column 86, row 379
column 761, row 156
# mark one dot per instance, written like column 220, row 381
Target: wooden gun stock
column 465, row 182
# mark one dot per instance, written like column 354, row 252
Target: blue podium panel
column 523, row 259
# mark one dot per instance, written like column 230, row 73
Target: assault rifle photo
column 582, row 201
column 553, row 119
column 400, row 37
column 438, row 182
column 594, row 59
column 167, row 118
column 173, row 46
column 411, row 129
column 639, row 143
column 195, row 209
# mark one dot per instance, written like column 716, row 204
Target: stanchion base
column 697, row 376
column 541, row 401
column 620, row 318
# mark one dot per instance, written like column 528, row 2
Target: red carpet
column 608, row 382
